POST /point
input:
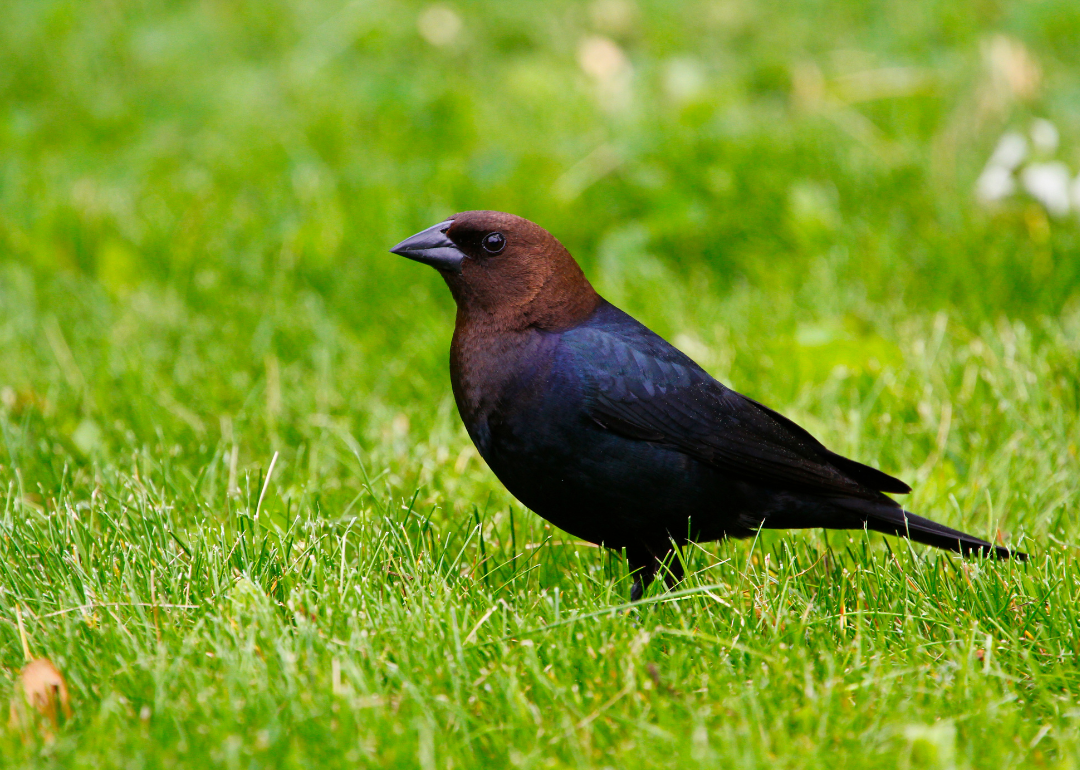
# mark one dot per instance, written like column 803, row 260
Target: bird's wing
column 643, row 388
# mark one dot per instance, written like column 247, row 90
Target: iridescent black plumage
column 611, row 433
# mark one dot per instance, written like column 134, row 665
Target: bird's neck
column 552, row 308
column 557, row 308
column 547, row 295
column 485, row 363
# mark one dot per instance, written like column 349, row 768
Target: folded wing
column 643, row 388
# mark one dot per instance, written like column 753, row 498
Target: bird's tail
column 896, row 521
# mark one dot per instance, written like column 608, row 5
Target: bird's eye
column 493, row 243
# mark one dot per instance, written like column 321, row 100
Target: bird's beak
column 432, row 247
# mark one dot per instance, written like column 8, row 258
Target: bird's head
column 504, row 268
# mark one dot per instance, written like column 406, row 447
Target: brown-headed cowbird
column 611, row 433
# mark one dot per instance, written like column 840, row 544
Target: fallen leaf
column 41, row 687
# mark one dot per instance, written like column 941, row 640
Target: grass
column 237, row 508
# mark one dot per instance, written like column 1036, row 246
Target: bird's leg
column 643, row 565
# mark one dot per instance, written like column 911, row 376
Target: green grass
column 195, row 204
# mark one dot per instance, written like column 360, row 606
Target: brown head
column 504, row 270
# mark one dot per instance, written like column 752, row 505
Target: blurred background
column 196, row 199
column 238, row 509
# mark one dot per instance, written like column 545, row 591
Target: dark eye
column 493, row 243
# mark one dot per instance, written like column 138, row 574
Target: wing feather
column 645, row 389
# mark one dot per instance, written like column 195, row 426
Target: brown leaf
column 41, row 687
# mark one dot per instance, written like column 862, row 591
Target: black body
column 612, row 434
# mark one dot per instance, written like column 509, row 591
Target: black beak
column 432, row 247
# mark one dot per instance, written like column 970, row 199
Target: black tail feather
column 885, row 516
column 896, row 521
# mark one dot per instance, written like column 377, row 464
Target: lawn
column 238, row 510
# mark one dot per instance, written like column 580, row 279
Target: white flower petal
column 994, row 184
column 1010, row 151
column 1048, row 183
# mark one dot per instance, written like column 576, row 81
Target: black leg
column 643, row 566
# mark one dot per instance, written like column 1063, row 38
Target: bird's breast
column 497, row 378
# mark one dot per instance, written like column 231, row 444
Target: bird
column 609, row 432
